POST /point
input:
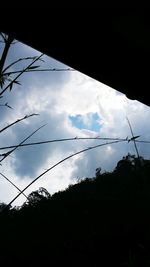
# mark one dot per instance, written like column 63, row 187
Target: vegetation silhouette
column 99, row 221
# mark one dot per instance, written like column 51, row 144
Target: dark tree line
column 100, row 221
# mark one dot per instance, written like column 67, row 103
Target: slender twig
column 142, row 141
column 15, row 62
column 3, row 36
column 133, row 137
column 8, row 42
column 11, row 124
column 5, row 155
column 6, row 105
column 18, row 71
column 24, row 70
column 13, row 184
column 72, row 139
column 63, row 140
column 61, row 161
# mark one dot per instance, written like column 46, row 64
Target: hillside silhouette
column 100, row 221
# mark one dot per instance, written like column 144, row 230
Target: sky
column 71, row 105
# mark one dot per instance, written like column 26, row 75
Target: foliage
column 37, row 196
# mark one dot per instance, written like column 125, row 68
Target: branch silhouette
column 143, row 141
column 7, row 40
column 15, row 62
column 74, row 139
column 24, row 118
column 6, row 105
column 64, row 140
column 5, row 155
column 24, row 70
column 42, row 70
column 13, row 184
column 133, row 138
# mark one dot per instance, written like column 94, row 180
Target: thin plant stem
column 8, row 42
column 24, row 118
column 63, row 140
column 15, row 62
column 4, row 176
column 133, row 138
column 24, row 70
column 5, row 155
column 42, row 70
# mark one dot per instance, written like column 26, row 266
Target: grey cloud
column 30, row 159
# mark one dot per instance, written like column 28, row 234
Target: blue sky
column 90, row 122
column 71, row 105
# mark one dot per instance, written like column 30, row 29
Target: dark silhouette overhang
column 110, row 45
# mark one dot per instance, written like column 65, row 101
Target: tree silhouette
column 37, row 196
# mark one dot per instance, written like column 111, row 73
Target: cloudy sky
column 71, row 105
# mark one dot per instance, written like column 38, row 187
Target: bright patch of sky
column 90, row 121
column 71, row 105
